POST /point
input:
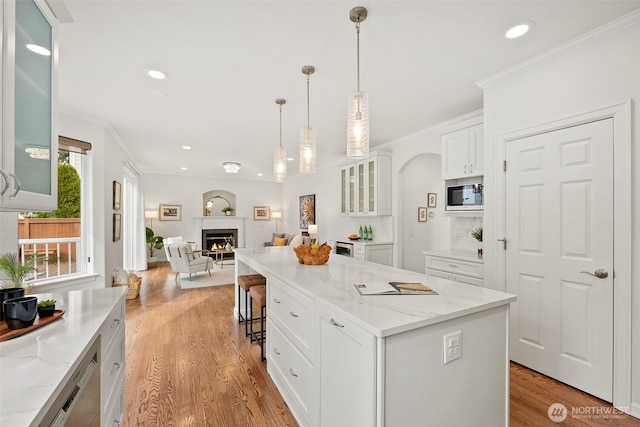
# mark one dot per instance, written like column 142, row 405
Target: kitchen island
column 340, row 358
column 35, row 367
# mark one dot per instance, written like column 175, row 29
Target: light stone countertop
column 333, row 284
column 34, row 367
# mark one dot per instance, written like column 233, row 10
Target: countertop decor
column 313, row 254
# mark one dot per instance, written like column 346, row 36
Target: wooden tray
column 7, row 334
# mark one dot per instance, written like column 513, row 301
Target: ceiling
column 228, row 61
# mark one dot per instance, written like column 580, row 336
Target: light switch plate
column 452, row 346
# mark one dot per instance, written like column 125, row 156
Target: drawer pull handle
column 292, row 314
column 276, row 300
column 115, row 323
column 293, row 374
column 334, row 323
column 19, row 186
column 116, row 368
column 6, row 183
column 453, row 265
column 116, row 423
column 276, row 351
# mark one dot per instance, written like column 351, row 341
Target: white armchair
column 184, row 259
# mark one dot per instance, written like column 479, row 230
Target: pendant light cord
column 358, row 50
column 308, row 105
column 280, row 125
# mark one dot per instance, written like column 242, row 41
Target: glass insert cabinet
column 28, row 178
column 366, row 186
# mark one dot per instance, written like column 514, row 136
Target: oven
column 79, row 402
column 344, row 249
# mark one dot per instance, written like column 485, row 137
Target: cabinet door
column 476, row 150
column 455, row 154
column 380, row 254
column 351, row 208
column 29, row 134
column 347, row 373
column 361, row 192
column 344, row 191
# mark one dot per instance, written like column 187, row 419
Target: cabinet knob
column 334, row 323
column 292, row 373
column 471, row 168
column 276, row 351
column 115, row 368
column 115, row 323
column 276, row 300
column 292, row 314
column 465, row 169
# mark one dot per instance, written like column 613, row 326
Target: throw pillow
column 280, row 241
column 274, row 236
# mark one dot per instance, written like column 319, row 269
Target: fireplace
column 215, row 238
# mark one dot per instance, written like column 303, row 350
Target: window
column 57, row 238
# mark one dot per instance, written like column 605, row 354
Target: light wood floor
column 189, row 364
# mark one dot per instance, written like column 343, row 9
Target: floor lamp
column 151, row 215
column 276, row 216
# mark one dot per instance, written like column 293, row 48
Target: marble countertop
column 34, row 367
column 333, row 284
column 458, row 254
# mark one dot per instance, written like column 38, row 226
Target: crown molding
column 583, row 40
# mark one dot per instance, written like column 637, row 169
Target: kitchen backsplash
column 461, row 229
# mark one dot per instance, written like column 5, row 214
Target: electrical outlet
column 452, row 346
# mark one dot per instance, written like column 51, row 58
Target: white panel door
column 559, row 225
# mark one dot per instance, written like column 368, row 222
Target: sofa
column 285, row 239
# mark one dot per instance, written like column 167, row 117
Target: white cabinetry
column 289, row 347
column 366, row 186
column 29, row 149
column 463, row 153
column 347, row 371
column 112, row 369
column 461, row 268
column 381, row 254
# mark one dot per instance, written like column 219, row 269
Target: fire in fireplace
column 217, row 238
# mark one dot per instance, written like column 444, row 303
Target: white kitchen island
column 343, row 359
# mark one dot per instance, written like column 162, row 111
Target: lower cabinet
column 347, row 372
column 380, row 254
column 455, row 268
column 112, row 370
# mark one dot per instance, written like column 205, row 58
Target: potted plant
column 153, row 243
column 46, row 308
column 477, row 234
column 16, row 271
column 227, row 210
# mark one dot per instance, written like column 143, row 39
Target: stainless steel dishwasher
column 79, row 402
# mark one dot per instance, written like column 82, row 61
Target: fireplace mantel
column 220, row 221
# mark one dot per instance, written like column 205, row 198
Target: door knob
column 599, row 273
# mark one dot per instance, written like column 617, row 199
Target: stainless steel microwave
column 465, row 197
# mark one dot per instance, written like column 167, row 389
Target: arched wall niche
column 214, row 201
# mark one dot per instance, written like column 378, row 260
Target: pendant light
column 280, row 156
column 358, row 104
column 308, row 134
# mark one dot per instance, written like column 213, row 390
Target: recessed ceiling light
column 289, row 159
column 39, row 49
column 155, row 74
column 519, row 30
column 186, row 147
column 183, row 168
column 259, row 174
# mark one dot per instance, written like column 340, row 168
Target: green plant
column 47, row 303
column 15, row 270
column 154, row 242
column 227, row 209
column 477, row 234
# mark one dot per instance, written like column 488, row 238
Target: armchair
column 184, row 259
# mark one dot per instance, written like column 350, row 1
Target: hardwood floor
column 189, row 364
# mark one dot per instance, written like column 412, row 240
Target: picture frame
column 170, row 213
column 307, row 211
column 117, row 196
column 117, row 227
column 261, row 213
column 422, row 214
column 432, row 200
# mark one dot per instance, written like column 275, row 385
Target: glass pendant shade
column 307, row 150
column 280, row 164
column 358, row 125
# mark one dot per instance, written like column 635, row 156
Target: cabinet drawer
column 292, row 367
column 438, row 273
column 468, row 280
column 359, row 250
column 113, row 407
column 455, row 266
column 113, row 324
column 112, row 366
column 293, row 311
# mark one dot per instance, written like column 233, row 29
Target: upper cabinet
column 29, row 151
column 463, row 153
column 366, row 186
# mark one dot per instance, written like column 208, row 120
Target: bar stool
column 246, row 282
column 259, row 295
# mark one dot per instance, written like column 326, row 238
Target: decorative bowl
column 353, row 238
column 310, row 255
column 20, row 312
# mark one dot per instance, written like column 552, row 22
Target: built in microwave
column 465, row 197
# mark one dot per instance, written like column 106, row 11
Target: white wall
column 604, row 72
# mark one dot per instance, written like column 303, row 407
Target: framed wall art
column 170, row 212
column 261, row 213
column 432, row 200
column 422, row 214
column 117, row 227
column 307, row 210
column 117, row 195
